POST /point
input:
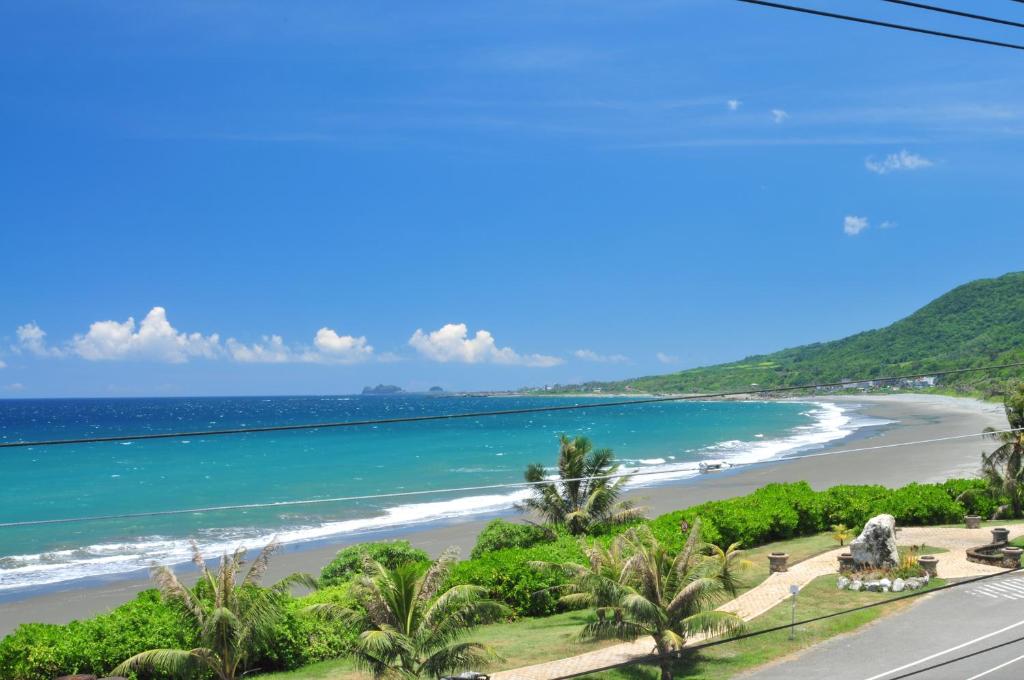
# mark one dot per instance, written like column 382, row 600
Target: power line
column 502, row 412
column 463, row 489
column 955, row 12
column 883, row 24
column 655, row 658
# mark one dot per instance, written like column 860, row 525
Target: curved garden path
column 775, row 589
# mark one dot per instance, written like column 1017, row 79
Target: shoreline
column 916, row 417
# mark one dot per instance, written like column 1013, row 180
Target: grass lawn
column 727, row 660
column 535, row 640
column 520, row 643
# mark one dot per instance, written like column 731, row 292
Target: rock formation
column 876, row 545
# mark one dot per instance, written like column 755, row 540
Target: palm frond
column 300, row 579
column 262, row 561
column 438, row 572
column 173, row 662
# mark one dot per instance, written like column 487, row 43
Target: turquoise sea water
column 112, row 478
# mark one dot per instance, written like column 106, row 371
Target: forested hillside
column 979, row 323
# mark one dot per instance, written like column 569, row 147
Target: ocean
column 194, row 472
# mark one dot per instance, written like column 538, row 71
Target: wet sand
column 918, row 417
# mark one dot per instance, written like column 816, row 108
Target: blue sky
column 310, row 197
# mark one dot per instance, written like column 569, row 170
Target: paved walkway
column 774, row 590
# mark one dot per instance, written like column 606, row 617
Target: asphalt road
column 967, row 633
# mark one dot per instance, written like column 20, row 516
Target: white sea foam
column 830, row 422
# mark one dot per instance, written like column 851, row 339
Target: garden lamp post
column 793, row 590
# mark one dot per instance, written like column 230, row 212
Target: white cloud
column 451, row 342
column 894, row 162
column 14, row 387
column 589, row 355
column 33, row 339
column 734, row 104
column 667, row 358
column 3, row 364
column 887, row 224
column 156, row 340
column 328, row 348
column 271, row 350
column 853, row 225
column 344, row 349
column 779, row 116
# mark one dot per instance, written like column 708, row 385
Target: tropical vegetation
column 501, row 568
column 1003, row 468
column 229, row 620
column 585, row 498
column 411, row 625
column 639, row 588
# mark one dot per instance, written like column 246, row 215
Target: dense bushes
column 922, row 504
column 508, row 576
column 40, row 651
column 773, row 512
column 301, row 639
column 781, row 511
column 499, row 534
column 974, row 495
column 349, row 561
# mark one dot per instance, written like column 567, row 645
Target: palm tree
column 1003, row 469
column 410, row 628
column 583, row 499
column 230, row 620
column 637, row 588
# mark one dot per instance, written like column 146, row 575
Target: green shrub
column 851, row 505
column 772, row 513
column 499, row 534
column 301, row 639
column 97, row 645
column 349, row 561
column 974, row 495
column 508, row 576
column 917, row 504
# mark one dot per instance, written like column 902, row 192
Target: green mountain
column 976, row 324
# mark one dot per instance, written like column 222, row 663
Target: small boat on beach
column 706, row 466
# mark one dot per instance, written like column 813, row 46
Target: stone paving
column 775, row 589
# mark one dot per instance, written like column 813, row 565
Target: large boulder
column 876, row 545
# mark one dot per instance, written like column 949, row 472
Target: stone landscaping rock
column 856, row 585
column 876, row 545
column 885, row 583
column 842, row 583
column 873, row 586
column 898, row 585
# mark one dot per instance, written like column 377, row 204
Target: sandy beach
column 918, row 417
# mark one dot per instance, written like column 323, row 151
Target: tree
column 1003, row 469
column 230, row 619
column 409, row 627
column 841, row 533
column 637, row 588
column 583, row 499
